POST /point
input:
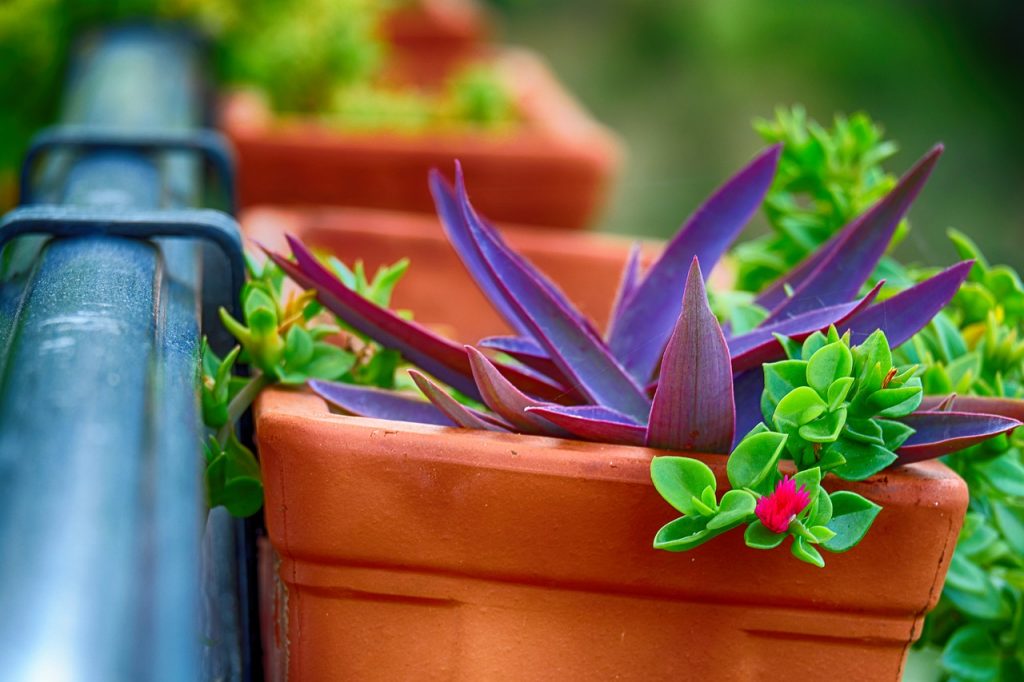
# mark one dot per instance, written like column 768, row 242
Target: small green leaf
column 759, row 537
column 809, row 480
column 782, row 377
column 298, row 347
column 826, row 428
column 897, row 402
column 812, row 344
column 680, row 479
column 965, row 575
column 838, row 391
column 329, row 362
column 852, row 516
column 971, row 654
column 1010, row 520
column 822, row 533
column 820, row 511
column 862, row 459
column 1005, row 473
column 701, row 507
column 791, row 347
column 709, row 499
column 828, row 364
column 873, row 351
column 737, row 506
column 800, row 406
column 682, row 534
column 754, row 459
column 805, row 551
column 894, row 433
column 864, row 431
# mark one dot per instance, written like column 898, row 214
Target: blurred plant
column 975, row 349
column 826, row 178
column 300, row 54
column 282, row 342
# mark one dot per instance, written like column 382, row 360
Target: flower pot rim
column 593, row 457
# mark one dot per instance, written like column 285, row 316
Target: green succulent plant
column 284, row 342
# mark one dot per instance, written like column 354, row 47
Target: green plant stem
column 240, row 403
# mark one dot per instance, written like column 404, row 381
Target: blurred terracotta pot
column 403, row 551
column 437, row 288
column 429, row 38
column 552, row 169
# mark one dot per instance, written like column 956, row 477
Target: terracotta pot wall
column 415, row 552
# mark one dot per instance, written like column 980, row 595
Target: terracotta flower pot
column 437, row 288
column 431, row 37
column 552, row 169
column 405, row 551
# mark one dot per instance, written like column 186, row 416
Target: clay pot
column 403, row 551
column 429, row 38
column 552, row 169
column 437, row 288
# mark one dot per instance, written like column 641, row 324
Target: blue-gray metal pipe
column 102, row 512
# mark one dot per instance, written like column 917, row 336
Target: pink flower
column 777, row 510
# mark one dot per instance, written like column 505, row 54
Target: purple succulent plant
column 664, row 374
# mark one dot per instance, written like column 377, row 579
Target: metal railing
column 111, row 568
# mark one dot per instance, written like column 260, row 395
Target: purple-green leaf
column 693, row 407
column 455, row 411
column 456, row 228
column 747, row 389
column 941, row 433
column 577, row 351
column 506, row 400
column 644, row 322
column 842, row 266
column 906, row 313
column 630, row 280
column 378, row 403
column 1003, row 407
column 526, row 351
column 593, row 422
column 760, row 345
column 438, row 356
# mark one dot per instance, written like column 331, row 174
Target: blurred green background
column 682, row 81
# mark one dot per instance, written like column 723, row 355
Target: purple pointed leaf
column 906, row 313
column 760, row 345
column 847, row 263
column 747, row 388
column 941, row 433
column 526, row 351
column 460, row 235
column 693, row 407
column 577, row 351
column 455, row 411
column 630, row 280
column 378, row 403
column 1003, row 407
column 506, row 400
column 593, row 422
column 440, row 357
column 645, row 321
column 454, row 223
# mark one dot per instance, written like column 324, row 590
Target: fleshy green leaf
column 680, row 479
column 852, row 516
column 805, row 551
column 737, row 506
column 755, row 459
column 971, row 654
column 759, row 537
column 832, row 362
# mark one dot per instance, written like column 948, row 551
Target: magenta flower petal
column 777, row 510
